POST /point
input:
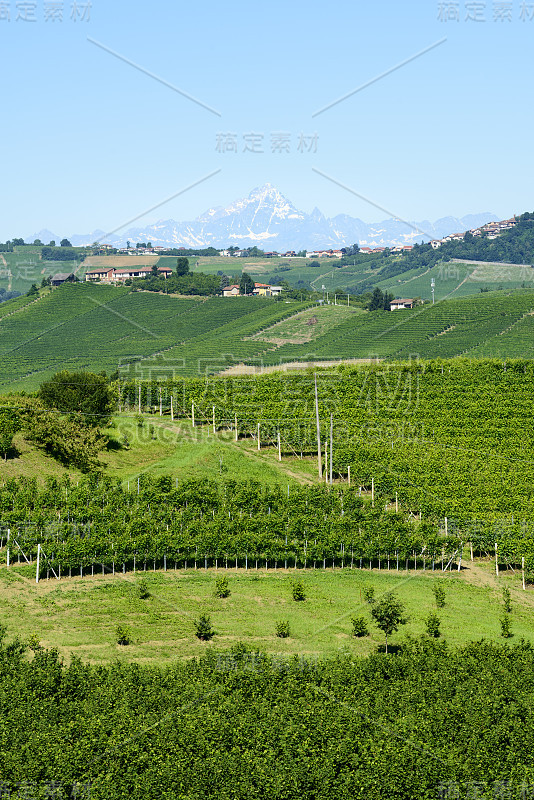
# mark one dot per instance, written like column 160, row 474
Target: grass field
column 18, row 270
column 164, row 448
column 79, row 615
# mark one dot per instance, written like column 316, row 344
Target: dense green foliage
column 69, row 439
column 10, row 424
column 244, row 725
column 188, row 283
column 84, row 393
column 64, row 253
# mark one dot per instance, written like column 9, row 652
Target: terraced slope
column 102, row 328
column 106, row 328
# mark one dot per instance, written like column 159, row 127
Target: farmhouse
column 398, row 305
column 112, row 275
column 231, row 291
column 61, row 277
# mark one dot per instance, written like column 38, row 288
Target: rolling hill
column 81, row 326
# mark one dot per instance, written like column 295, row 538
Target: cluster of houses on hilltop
column 491, row 230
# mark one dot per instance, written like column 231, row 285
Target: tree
column 66, row 439
column 439, row 595
column 128, row 245
column 377, row 300
column 203, row 628
column 297, row 591
column 154, row 272
column 65, row 243
column 282, row 629
column 222, row 589
column 388, row 614
column 9, row 425
column 432, row 623
column 52, row 243
column 80, row 392
column 359, row 626
column 32, row 290
column 246, row 284
column 182, row 266
column 38, row 242
column 122, row 635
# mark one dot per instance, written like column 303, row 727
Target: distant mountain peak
column 266, row 218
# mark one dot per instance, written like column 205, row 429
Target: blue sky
column 91, row 142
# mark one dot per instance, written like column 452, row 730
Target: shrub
column 221, row 586
column 369, row 594
column 34, row 642
column 507, row 600
column 203, row 628
column 144, row 592
column 297, row 591
column 506, row 627
column 432, row 624
column 439, row 595
column 123, row 635
column 359, row 626
column 282, row 629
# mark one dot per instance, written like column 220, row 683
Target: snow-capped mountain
column 270, row 221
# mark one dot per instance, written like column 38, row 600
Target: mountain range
column 270, row 221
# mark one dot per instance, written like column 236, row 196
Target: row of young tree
column 99, row 524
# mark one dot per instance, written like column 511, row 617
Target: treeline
column 192, row 283
column 5, row 295
column 425, row 722
column 63, row 253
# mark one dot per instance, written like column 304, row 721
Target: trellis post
column 38, row 563
column 331, row 444
column 319, row 454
